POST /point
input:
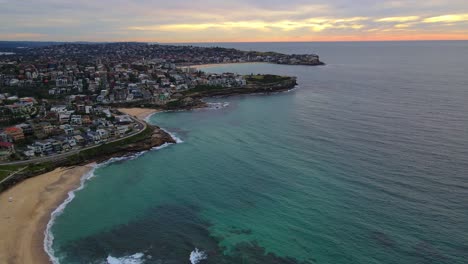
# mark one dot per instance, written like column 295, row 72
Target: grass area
column 174, row 104
column 9, row 169
column 204, row 88
column 265, row 78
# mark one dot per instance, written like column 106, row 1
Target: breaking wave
column 137, row 258
column 196, row 256
column 176, row 138
column 217, row 105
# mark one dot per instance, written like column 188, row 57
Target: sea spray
column 196, row 256
column 49, row 237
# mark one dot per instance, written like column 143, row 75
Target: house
column 71, row 141
column 76, row 120
column 46, row 128
column 86, row 120
column 64, row 118
column 43, row 147
column 27, row 129
column 79, row 140
column 59, row 109
column 56, row 145
column 103, row 134
column 4, row 137
column 121, row 130
column 6, row 150
column 93, row 137
column 29, row 152
column 15, row 109
column 8, row 147
column 15, row 133
column 88, row 109
column 67, row 129
column 123, row 119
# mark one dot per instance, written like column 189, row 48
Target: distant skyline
column 233, row 21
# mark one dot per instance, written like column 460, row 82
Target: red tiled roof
column 5, row 144
column 12, row 129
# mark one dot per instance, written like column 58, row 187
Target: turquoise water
column 364, row 163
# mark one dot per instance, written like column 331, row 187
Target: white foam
column 137, row 258
column 196, row 256
column 215, row 106
column 176, row 138
column 49, row 237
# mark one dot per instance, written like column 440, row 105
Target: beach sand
column 140, row 113
column 24, row 219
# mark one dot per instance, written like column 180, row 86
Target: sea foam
column 215, row 106
column 49, row 237
column 137, row 258
column 196, row 256
column 176, row 138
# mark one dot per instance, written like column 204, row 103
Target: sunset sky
column 229, row 21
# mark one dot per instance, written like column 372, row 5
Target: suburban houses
column 61, row 98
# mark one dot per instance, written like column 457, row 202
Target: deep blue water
column 365, row 162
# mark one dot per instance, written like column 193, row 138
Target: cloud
column 402, row 25
column 229, row 20
column 447, row 18
column 398, row 19
column 22, row 36
column 313, row 24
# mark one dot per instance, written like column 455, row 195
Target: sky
column 173, row 21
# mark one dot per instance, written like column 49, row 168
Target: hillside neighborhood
column 63, row 98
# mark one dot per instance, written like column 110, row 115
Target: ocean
column 364, row 162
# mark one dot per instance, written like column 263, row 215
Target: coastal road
column 141, row 124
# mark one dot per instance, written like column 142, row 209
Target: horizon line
column 208, row 42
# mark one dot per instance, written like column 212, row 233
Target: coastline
column 24, row 221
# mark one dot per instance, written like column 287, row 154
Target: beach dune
column 25, row 211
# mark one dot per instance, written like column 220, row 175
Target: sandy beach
column 24, row 219
column 140, row 113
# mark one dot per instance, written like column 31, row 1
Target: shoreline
column 23, row 221
column 140, row 113
column 26, row 220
